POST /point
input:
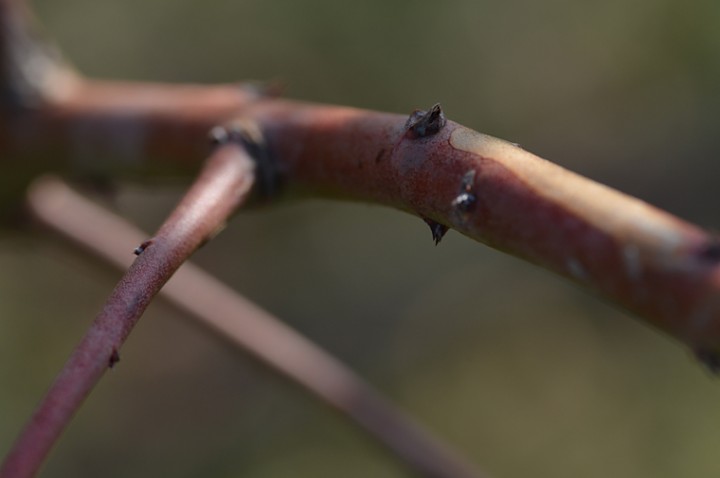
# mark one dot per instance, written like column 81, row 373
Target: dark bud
column 438, row 230
column 422, row 124
column 114, row 358
column 464, row 202
column 141, row 248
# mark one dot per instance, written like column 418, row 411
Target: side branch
column 220, row 189
column 254, row 331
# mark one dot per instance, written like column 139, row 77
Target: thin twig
column 251, row 329
column 223, row 185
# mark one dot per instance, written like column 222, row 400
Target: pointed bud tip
column 438, row 230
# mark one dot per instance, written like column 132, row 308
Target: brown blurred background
column 518, row 369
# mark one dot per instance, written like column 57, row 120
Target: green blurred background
column 520, row 370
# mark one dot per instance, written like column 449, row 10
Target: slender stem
column 252, row 330
column 222, row 186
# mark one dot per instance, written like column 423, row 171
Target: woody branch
column 656, row 265
column 660, row 267
column 34, row 105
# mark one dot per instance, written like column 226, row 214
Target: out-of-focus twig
column 219, row 190
column 251, row 329
column 32, row 70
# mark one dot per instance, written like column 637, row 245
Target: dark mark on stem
column 422, row 124
column 141, row 248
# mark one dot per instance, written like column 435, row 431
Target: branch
column 647, row 261
column 252, row 330
column 656, row 265
column 220, row 189
column 661, row 268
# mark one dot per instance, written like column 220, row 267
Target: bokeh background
column 518, row 369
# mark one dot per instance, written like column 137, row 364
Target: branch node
column 248, row 134
column 422, row 124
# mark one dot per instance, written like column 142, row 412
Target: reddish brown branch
column 641, row 258
column 252, row 330
column 220, row 189
column 663, row 269
column 656, row 265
